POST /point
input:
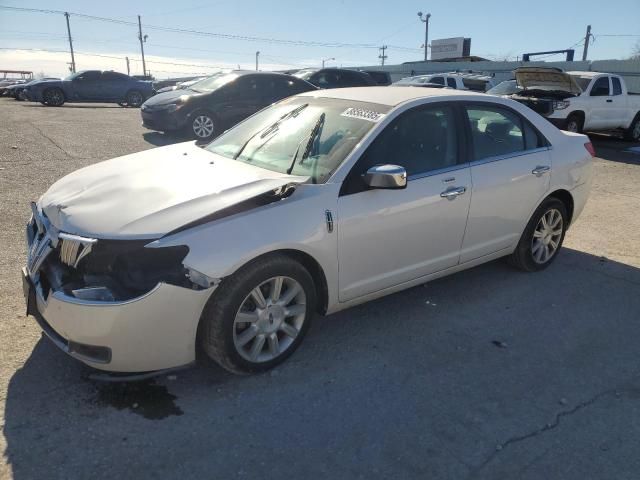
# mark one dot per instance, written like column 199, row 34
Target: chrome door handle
column 540, row 169
column 452, row 193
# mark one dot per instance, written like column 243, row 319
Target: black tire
column 53, row 97
column 217, row 327
column 523, row 255
column 135, row 98
column 632, row 134
column 575, row 123
column 202, row 126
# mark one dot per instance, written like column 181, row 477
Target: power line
column 211, row 34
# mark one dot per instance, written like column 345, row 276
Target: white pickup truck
column 580, row 101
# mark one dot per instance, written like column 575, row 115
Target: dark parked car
column 215, row 104
column 91, row 86
column 17, row 91
column 335, row 78
column 379, row 76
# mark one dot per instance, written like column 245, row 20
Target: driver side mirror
column 386, row 177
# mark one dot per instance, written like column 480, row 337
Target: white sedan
column 317, row 203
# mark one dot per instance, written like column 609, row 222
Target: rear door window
column 495, row 132
column 438, row 80
column 451, row 82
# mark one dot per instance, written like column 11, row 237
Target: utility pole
column 382, row 56
column 128, row 71
column 142, row 40
column 257, row 55
column 587, row 37
column 73, row 59
column 425, row 20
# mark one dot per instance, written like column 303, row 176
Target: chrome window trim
column 498, row 158
column 438, row 171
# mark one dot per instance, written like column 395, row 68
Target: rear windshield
column 301, row 135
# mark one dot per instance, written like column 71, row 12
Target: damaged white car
column 320, row 202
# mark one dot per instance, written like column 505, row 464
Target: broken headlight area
column 115, row 271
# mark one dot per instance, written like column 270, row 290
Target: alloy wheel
column 572, row 126
column 635, row 134
column 547, row 236
column 134, row 99
column 203, row 126
column 269, row 319
column 54, row 98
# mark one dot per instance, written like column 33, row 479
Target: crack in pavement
column 549, row 426
column 53, row 142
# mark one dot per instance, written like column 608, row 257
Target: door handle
column 540, row 169
column 609, row 101
column 452, row 193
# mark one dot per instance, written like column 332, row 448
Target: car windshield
column 212, row 83
column 73, row 75
column 301, row 135
column 304, row 74
column 505, row 88
column 583, row 82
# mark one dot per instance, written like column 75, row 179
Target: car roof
column 584, row 74
column 387, row 96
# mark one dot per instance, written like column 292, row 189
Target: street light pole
column 326, row 60
column 425, row 20
column 73, row 58
column 142, row 40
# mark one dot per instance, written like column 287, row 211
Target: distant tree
column 635, row 51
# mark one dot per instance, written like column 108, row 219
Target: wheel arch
column 307, row 261
column 565, row 197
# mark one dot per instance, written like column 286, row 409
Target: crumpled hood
column 547, row 78
column 148, row 194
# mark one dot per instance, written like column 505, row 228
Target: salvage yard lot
column 489, row 373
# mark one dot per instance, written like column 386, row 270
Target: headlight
column 561, row 104
column 174, row 106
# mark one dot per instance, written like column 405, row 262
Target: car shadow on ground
column 428, row 380
column 614, row 148
column 161, row 139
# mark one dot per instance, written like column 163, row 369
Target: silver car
column 322, row 201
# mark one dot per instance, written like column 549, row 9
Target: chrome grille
column 74, row 248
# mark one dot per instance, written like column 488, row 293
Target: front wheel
column 542, row 238
column 53, row 97
column 202, row 126
column 258, row 317
column 574, row 124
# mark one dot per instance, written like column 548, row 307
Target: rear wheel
column 542, row 238
column 53, row 97
column 135, row 98
column 633, row 132
column 574, row 123
column 258, row 317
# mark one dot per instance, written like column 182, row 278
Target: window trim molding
column 497, row 158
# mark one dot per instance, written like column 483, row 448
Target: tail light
column 590, row 149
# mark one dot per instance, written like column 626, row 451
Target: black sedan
column 215, row 104
column 335, row 77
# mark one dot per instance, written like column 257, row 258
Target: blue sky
column 498, row 29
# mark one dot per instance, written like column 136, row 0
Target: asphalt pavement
column 490, row 373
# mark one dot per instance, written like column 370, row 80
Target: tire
column 530, row 254
column 202, row 126
column 574, row 124
column 53, row 97
column 242, row 346
column 135, row 98
column 632, row 134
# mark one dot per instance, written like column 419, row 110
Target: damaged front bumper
column 152, row 331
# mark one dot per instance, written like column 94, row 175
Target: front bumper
column 155, row 331
column 163, row 120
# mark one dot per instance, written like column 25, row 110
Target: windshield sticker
column 363, row 114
